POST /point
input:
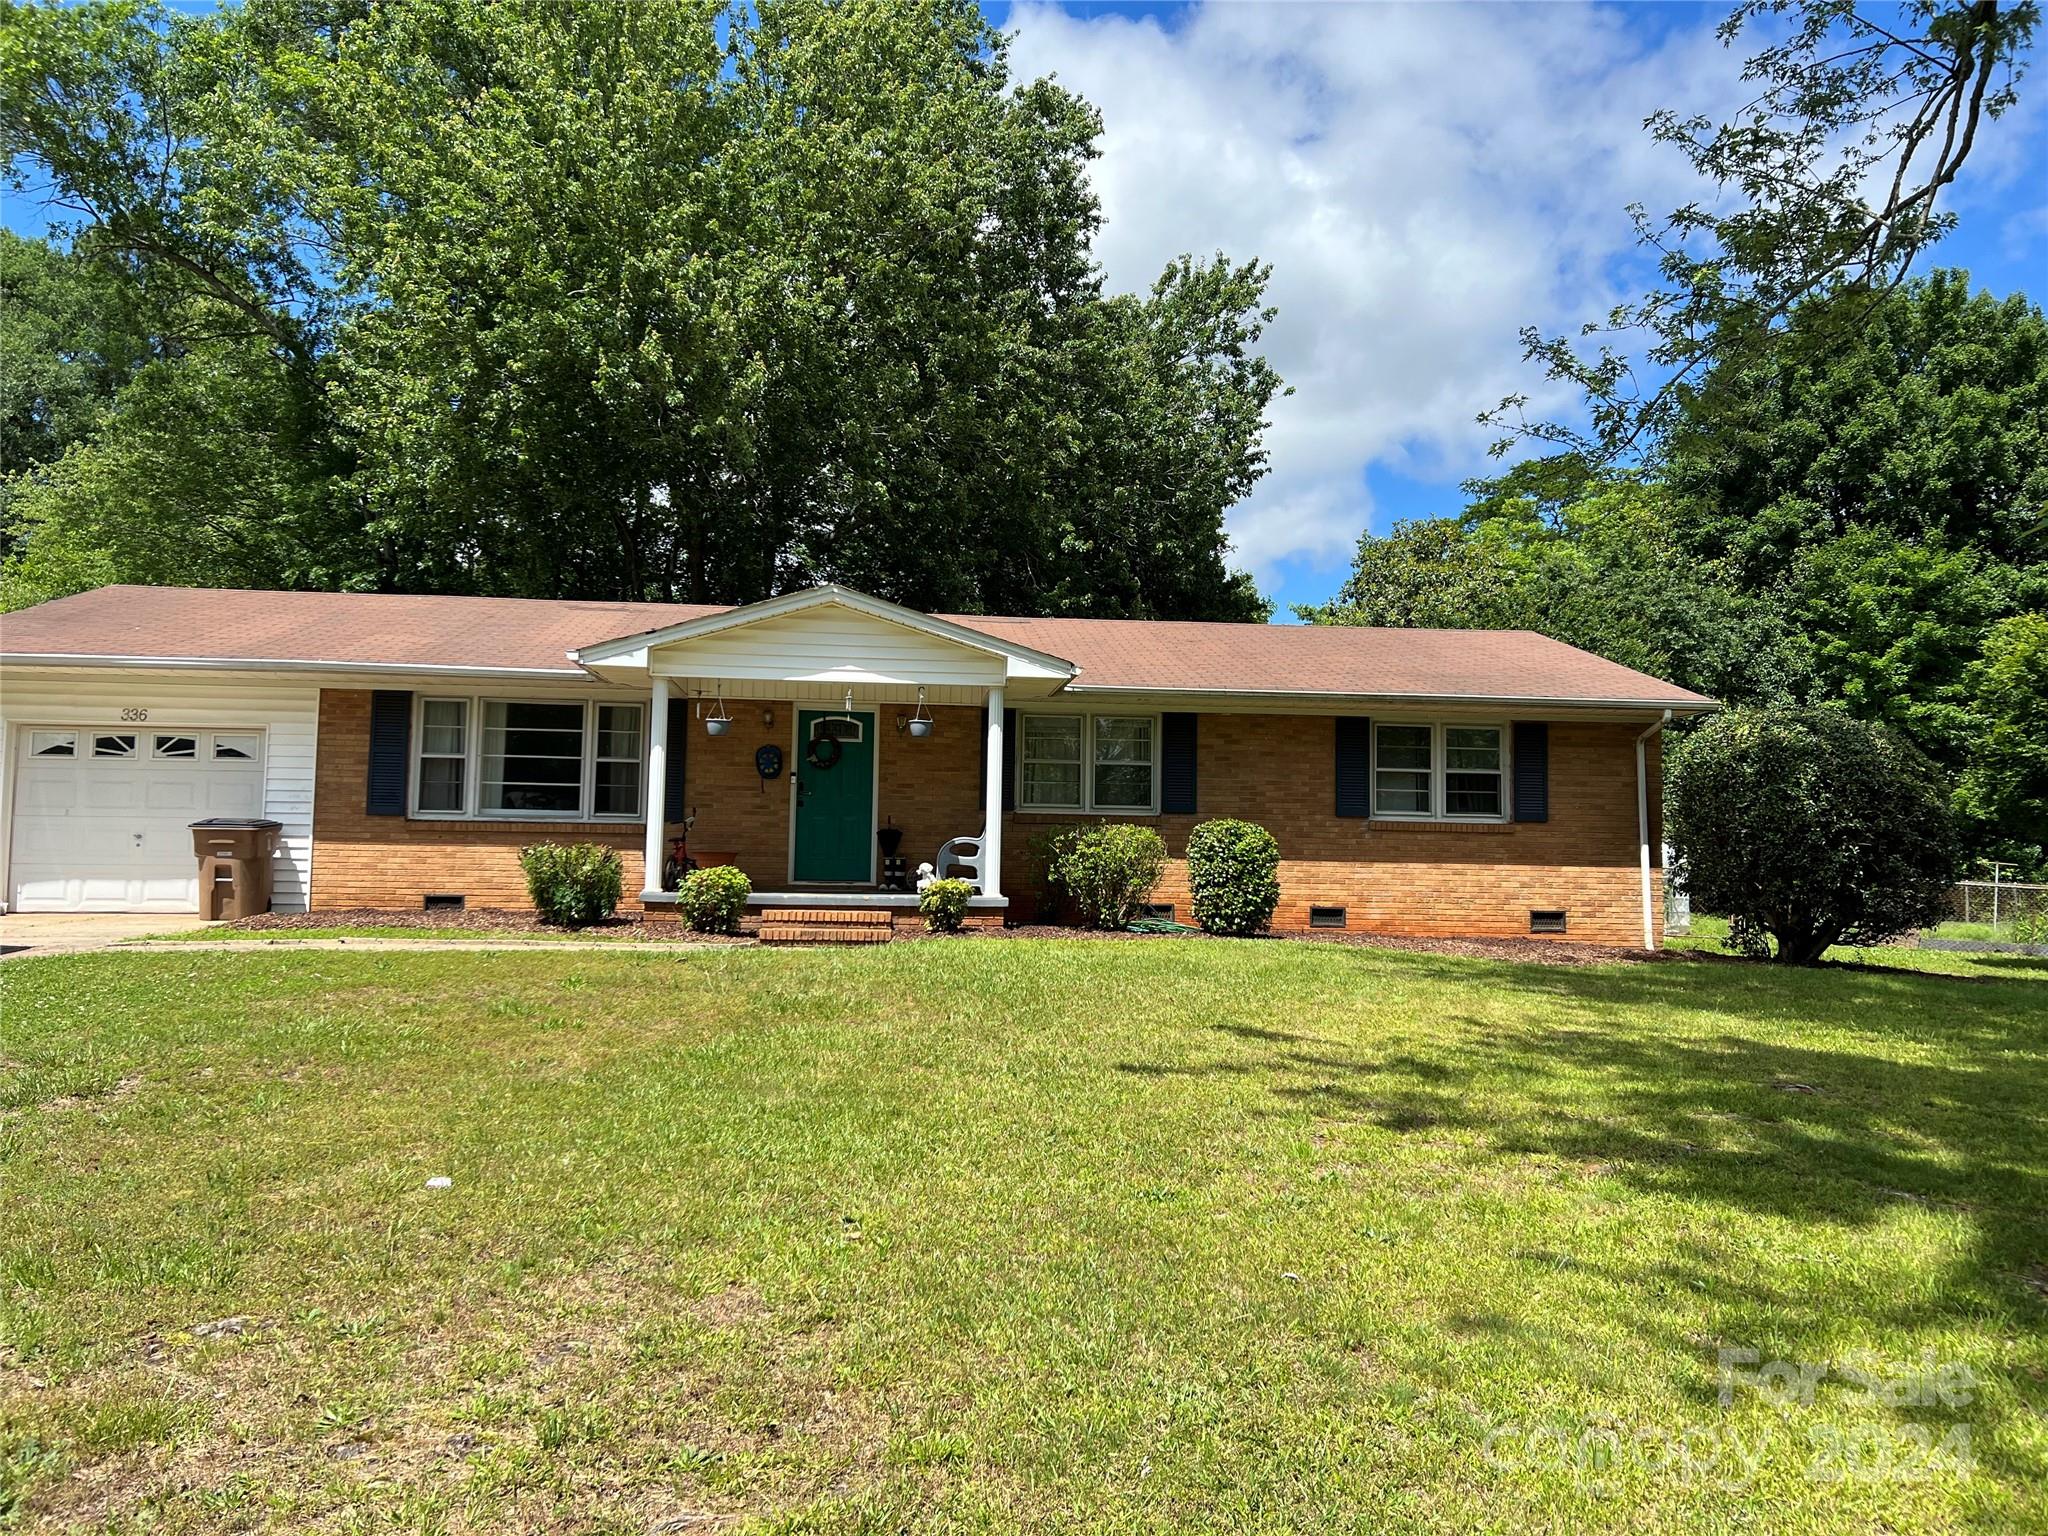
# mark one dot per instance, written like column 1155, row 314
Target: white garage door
column 102, row 818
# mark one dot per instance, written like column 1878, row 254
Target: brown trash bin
column 235, row 856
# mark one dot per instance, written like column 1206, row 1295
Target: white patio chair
column 966, row 854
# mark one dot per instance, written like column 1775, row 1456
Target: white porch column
column 657, row 787
column 992, row 795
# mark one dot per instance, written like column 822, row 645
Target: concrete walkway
column 67, row 933
column 529, row 946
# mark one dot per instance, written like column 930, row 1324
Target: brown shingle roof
column 343, row 629
column 1328, row 659
column 359, row 628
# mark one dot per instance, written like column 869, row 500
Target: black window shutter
column 390, row 745
column 1354, row 766
column 1177, row 764
column 1532, row 770
column 1010, row 749
column 672, row 776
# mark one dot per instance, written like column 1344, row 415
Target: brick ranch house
column 1418, row 781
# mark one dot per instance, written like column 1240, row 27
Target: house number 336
column 135, row 714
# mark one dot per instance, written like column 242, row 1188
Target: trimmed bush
column 711, row 900
column 573, row 883
column 1807, row 828
column 1234, row 872
column 1105, row 871
column 944, row 905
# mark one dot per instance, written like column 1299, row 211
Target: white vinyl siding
column 1426, row 771
column 259, row 718
column 834, row 646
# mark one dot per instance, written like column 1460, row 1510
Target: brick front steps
column 825, row 925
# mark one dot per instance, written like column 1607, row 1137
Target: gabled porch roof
column 829, row 638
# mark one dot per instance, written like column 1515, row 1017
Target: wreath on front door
column 824, row 751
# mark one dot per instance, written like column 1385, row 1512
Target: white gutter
column 1277, row 695
column 276, row 664
column 1643, row 826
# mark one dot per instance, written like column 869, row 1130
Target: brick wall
column 1272, row 769
column 393, row 861
column 1407, row 878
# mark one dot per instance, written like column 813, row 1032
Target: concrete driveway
column 23, row 934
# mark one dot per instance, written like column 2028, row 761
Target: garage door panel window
column 113, row 746
column 1439, row 772
column 53, row 744
column 240, row 747
column 176, row 748
column 540, row 759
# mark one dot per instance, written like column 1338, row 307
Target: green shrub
column 1105, row 871
column 1806, row 828
column 1234, row 872
column 712, row 900
column 944, row 905
column 572, row 883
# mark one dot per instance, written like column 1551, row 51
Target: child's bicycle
column 678, row 863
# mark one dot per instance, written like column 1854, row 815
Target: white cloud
column 1425, row 180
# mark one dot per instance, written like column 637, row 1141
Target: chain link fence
column 2002, row 906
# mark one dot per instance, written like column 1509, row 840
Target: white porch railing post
column 657, row 786
column 992, row 795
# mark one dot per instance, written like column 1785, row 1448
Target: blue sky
column 1425, row 179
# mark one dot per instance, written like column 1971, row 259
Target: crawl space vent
column 1326, row 917
column 1546, row 922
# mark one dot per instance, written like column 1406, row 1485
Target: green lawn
column 1004, row 1236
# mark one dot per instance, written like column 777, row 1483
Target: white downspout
column 1643, row 827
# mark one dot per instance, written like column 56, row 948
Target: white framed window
column 236, row 746
column 53, row 744
column 183, row 748
column 1474, row 759
column 619, row 755
column 113, row 746
column 1049, row 761
column 528, row 759
column 1427, row 771
column 532, row 762
column 1097, row 764
column 837, row 728
column 444, row 756
column 1125, row 769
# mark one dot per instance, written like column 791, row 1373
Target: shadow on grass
column 1827, row 1098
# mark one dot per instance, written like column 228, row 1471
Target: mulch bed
column 485, row 922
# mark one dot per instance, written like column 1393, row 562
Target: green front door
column 835, row 799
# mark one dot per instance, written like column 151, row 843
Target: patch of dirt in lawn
column 596, row 1413
column 488, row 922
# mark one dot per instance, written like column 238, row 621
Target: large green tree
column 680, row 298
column 1852, row 523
